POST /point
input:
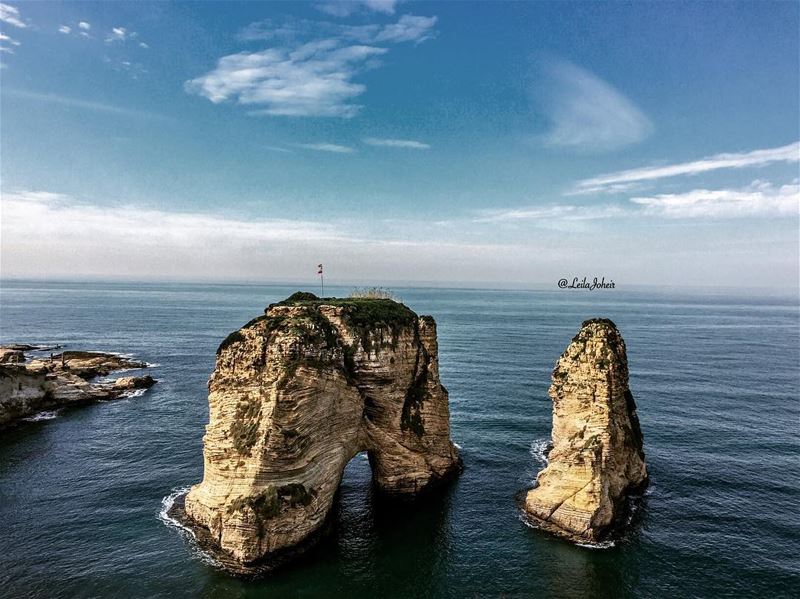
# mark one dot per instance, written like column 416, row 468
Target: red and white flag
column 319, row 269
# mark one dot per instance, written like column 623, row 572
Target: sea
column 715, row 375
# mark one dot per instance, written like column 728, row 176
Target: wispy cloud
column 312, row 73
column 345, row 8
column 6, row 42
column 84, row 104
column 10, row 14
column 84, row 25
column 409, row 28
column 756, row 158
column 64, row 29
column 327, row 147
column 760, row 199
column 396, row 143
column 549, row 212
column 587, row 113
column 118, row 34
column 278, row 149
column 50, row 234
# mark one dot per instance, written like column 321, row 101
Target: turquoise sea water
column 716, row 378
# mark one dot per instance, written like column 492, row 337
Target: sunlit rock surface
column 597, row 458
column 295, row 394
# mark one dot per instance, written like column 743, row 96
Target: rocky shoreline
column 29, row 387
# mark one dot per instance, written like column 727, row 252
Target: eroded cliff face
column 297, row 393
column 597, row 458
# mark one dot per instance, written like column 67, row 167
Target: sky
column 462, row 143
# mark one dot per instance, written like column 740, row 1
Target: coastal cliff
column 297, row 393
column 597, row 458
column 62, row 380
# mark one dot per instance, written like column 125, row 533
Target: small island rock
column 597, row 457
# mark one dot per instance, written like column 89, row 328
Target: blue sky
column 502, row 143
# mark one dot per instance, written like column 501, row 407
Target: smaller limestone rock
column 597, row 459
column 11, row 356
column 64, row 380
column 134, row 382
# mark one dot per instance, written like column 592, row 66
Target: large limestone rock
column 597, row 459
column 296, row 394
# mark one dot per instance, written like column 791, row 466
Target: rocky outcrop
column 63, row 380
column 597, row 459
column 296, row 393
column 10, row 355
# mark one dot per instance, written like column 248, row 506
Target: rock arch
column 295, row 394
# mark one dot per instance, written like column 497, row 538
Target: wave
column 134, row 393
column 43, row 416
column 458, row 447
column 540, row 448
column 163, row 515
column 601, row 545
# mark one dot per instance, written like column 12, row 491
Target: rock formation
column 295, row 394
column 63, row 380
column 597, row 459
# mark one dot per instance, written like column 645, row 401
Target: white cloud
column 143, row 45
column 64, row 29
column 550, row 212
column 84, row 104
column 10, row 14
column 588, row 114
column 327, row 147
column 760, row 199
column 46, row 234
column 396, row 143
column 314, row 79
column 84, row 25
column 49, row 235
column 5, row 41
column 345, row 8
column 312, row 73
column 409, row 28
column 119, row 34
column 756, row 158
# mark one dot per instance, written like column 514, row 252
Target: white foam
column 539, row 450
column 43, row 416
column 163, row 515
column 458, row 447
column 134, row 393
column 603, row 545
column 166, row 505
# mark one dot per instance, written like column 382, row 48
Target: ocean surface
column 716, row 378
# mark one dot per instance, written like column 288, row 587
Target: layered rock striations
column 61, row 380
column 295, row 394
column 597, row 459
